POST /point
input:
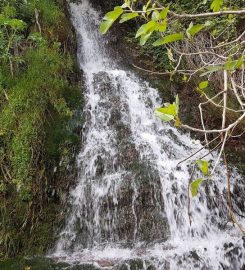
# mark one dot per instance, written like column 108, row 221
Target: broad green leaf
column 164, row 13
column 170, row 109
column 216, row 5
column 113, row 15
column 203, row 166
column 128, row 16
column 110, row 18
column 155, row 15
column 105, row 26
column 169, row 112
column 164, row 117
column 194, row 29
column 145, row 28
column 144, row 38
column 168, row 39
column 203, row 85
column 195, row 186
column 162, row 26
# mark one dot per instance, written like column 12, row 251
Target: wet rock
column 123, row 132
column 84, row 267
column 128, row 155
column 99, row 165
column 115, row 117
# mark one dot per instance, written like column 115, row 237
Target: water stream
column 129, row 207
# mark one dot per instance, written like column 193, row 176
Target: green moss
column 39, row 103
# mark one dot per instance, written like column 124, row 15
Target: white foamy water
column 131, row 198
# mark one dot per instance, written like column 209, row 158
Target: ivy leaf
column 203, row 166
column 216, row 5
column 145, row 28
column 203, row 85
column 169, row 39
column 128, row 16
column 195, row 186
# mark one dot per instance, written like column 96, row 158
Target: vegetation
column 38, row 91
column 204, row 43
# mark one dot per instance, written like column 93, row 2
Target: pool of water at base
column 40, row 263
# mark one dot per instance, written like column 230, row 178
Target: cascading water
column 131, row 199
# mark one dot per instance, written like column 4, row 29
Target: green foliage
column 37, row 103
column 128, row 16
column 10, row 33
column 39, row 87
column 169, row 39
column 216, row 5
column 194, row 29
column 203, row 85
column 169, row 112
column 203, row 166
column 230, row 65
column 110, row 18
column 146, row 28
column 194, row 187
column 157, row 19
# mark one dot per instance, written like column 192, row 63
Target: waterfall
column 131, row 198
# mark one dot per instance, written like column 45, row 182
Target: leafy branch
column 213, row 60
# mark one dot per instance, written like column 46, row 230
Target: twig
column 229, row 200
column 216, row 130
column 37, row 21
column 188, row 194
column 198, row 151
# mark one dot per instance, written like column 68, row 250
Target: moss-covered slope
column 39, row 99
